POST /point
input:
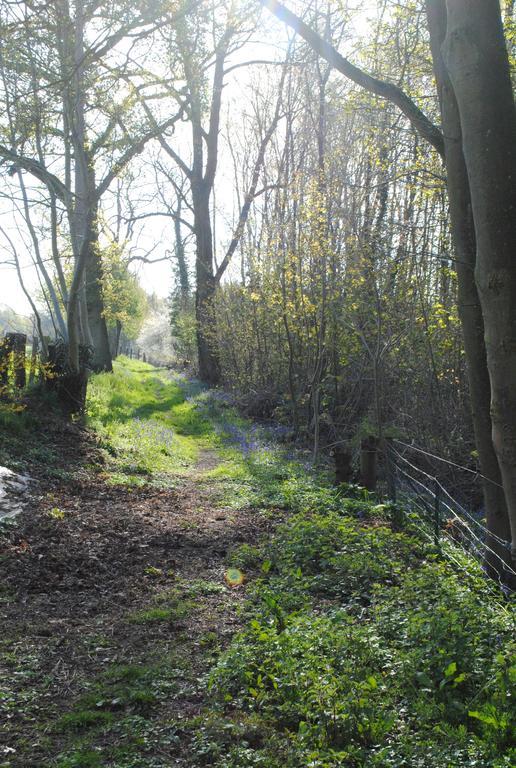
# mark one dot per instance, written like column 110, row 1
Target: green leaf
column 450, row 669
column 487, row 719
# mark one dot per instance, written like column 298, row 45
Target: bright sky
column 157, row 234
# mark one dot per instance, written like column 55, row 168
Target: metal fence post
column 437, row 513
column 390, row 469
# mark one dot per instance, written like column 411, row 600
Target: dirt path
column 101, row 579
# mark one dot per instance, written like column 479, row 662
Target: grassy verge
column 357, row 644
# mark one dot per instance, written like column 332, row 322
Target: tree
column 66, row 54
column 124, row 300
column 205, row 41
column 464, row 236
column 480, row 43
column 476, row 58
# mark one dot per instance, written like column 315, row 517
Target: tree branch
column 384, row 89
column 134, row 149
column 37, row 169
column 251, row 193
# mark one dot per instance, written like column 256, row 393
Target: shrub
column 341, row 557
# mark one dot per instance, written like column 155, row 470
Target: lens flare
column 234, row 577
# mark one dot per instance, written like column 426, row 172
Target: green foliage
column 360, row 647
column 340, row 557
column 246, row 556
column 363, row 651
column 183, row 325
column 497, row 714
column 124, row 299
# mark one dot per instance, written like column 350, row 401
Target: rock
column 14, row 491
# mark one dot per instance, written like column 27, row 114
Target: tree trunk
column 470, row 311
column 369, row 463
column 101, row 359
column 118, row 333
column 209, row 367
column 476, row 59
column 89, row 328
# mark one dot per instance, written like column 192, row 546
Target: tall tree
column 461, row 217
column 205, row 41
column 74, row 54
column 495, row 433
column 476, row 58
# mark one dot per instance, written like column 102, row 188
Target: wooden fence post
column 369, row 462
column 343, row 468
column 5, row 354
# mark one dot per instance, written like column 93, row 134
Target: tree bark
column 101, row 358
column 477, row 62
column 463, row 233
column 209, row 367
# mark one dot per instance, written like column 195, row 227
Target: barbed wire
column 475, row 472
column 425, row 499
column 502, row 542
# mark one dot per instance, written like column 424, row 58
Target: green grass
column 147, row 426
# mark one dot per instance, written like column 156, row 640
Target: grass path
column 114, row 601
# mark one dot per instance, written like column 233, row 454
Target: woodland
column 258, row 418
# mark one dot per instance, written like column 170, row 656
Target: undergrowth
column 363, row 649
column 359, row 645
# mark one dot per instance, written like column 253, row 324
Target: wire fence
column 460, row 533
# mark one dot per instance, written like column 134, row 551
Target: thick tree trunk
column 477, row 62
column 209, row 367
column 88, row 327
column 469, row 303
column 101, row 359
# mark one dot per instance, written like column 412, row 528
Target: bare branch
column 382, row 88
